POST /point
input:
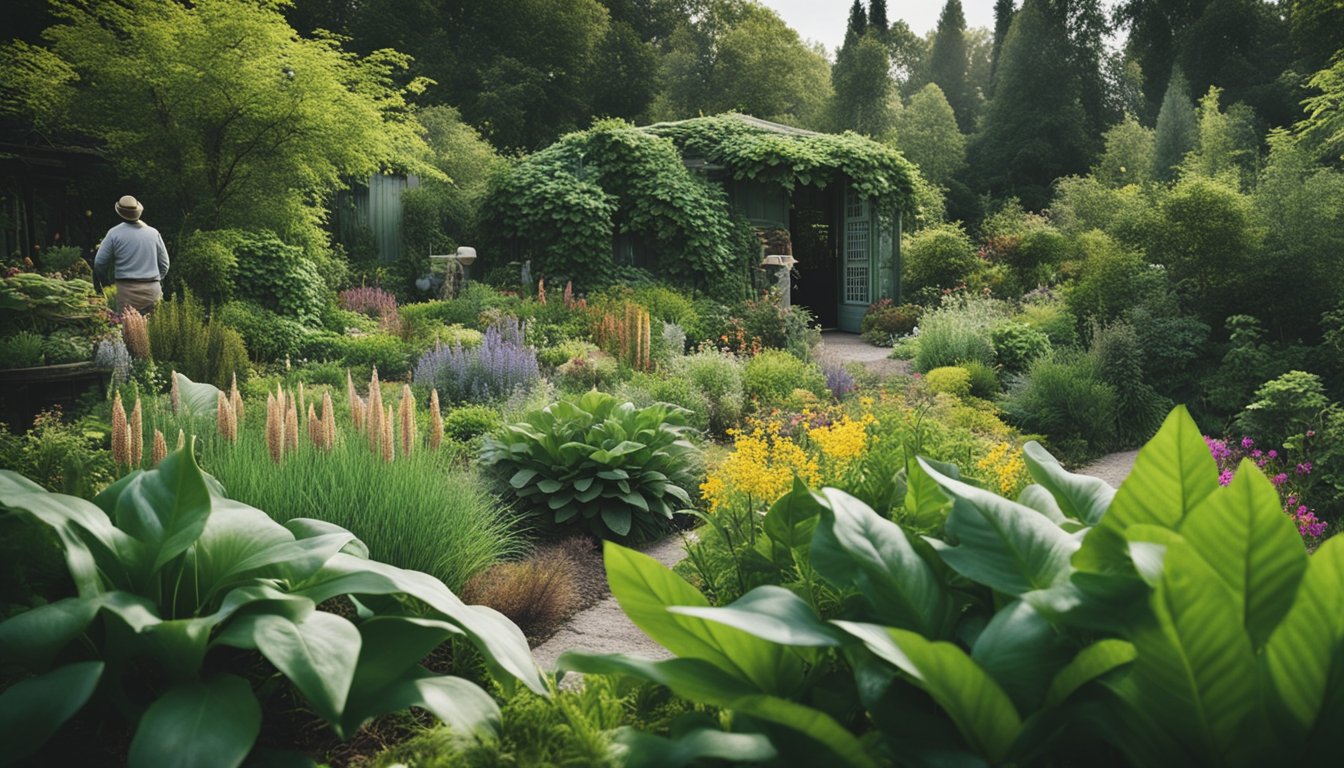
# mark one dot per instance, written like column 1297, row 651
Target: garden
column 330, row 505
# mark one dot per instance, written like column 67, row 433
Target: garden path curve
column 1113, row 468
column 851, row 348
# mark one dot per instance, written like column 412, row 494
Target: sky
column 824, row 20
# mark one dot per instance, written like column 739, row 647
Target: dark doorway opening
column 812, row 216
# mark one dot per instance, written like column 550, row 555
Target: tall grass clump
column 500, row 364
column 1063, row 396
column 958, row 331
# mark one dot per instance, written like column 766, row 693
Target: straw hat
column 129, row 208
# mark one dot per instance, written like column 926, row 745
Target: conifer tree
column 949, row 61
column 861, row 78
column 1003, row 16
column 1034, row 129
column 858, row 20
column 877, row 17
column 1177, row 128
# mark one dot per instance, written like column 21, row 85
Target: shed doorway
column 813, row 214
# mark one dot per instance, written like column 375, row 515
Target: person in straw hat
column 138, row 257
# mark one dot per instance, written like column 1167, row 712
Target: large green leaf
column 1090, row 663
column 925, row 505
column 1021, row 651
column 318, row 653
column 1241, row 531
column 770, row 613
column 197, row 398
column 1173, row 473
column 854, row 547
column 94, row 549
column 392, row 646
column 981, row 710
column 457, row 702
column 645, row 590
column 198, row 725
column 34, row 637
column 1305, row 654
column 1195, row 668
column 1000, row 543
column 503, row 646
column 166, row 508
column 1081, row 497
column 645, row 750
column 32, row 710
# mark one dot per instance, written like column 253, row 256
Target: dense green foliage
column 165, row 555
column 596, row 462
column 1170, row 621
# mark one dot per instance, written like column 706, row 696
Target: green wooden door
column 857, row 251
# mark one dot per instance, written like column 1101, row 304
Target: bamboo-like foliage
column 160, row 449
column 135, row 331
column 137, row 427
column 435, row 420
column 121, row 434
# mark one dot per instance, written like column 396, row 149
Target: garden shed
column 686, row 201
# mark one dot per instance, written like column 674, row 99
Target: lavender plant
column 490, row 371
column 112, row 354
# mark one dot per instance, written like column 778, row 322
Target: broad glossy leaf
column 308, row 528
column 318, row 653
column 645, row 589
column 618, row 520
column 392, row 646
column 1194, row 671
column 166, row 508
column 1039, row 499
column 1000, row 543
column 1021, row 651
column 818, row 726
column 34, row 637
column 1305, row 654
column 981, row 710
column 32, row 710
column 792, row 519
column 522, row 477
column 770, row 613
column 1174, row 472
column 1092, row 662
column 94, row 549
column 1080, row 497
column 197, row 398
column 1254, row 547
column 925, row 504
column 645, row 750
column 854, row 547
column 459, row 703
column 503, row 646
column 198, row 725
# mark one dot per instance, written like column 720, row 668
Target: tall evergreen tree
column 862, row 81
column 1177, row 128
column 949, row 60
column 1003, row 16
column 877, row 17
column 1034, row 129
column 858, row 20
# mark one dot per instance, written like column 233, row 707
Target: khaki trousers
column 142, row 296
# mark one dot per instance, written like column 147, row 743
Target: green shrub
column 949, row 379
column 941, row 256
column 957, row 332
column 1016, row 345
column 1118, row 360
column 617, row 470
column 984, row 381
column 559, row 354
column 776, row 326
column 209, row 351
column 662, row 302
column 1052, row 319
column 595, row 370
column 470, row 422
column 645, row 389
column 66, row 260
column 1062, row 397
column 718, row 378
column 1110, row 280
column 22, row 350
column 769, row 379
column 205, row 263
column 1286, row 406
column 62, row 456
column 269, row 337
column 886, row 320
column 66, row 347
column 169, row 573
column 279, row 277
column 389, row 354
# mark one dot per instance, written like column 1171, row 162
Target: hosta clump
column 599, row 462
column 491, row 370
column 171, row 576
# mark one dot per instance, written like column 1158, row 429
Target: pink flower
column 1257, row 453
column 1279, row 479
column 1273, row 454
column 1304, row 468
column 1247, row 443
column 1225, row 477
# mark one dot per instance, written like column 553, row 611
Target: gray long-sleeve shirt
column 136, row 250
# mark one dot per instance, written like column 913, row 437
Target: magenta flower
column 1225, row 477
column 1247, row 443
column 1279, row 479
column 1257, row 453
column 1273, row 454
column 1304, row 468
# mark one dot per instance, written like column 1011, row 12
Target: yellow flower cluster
column 1005, row 465
column 842, row 441
column 762, row 467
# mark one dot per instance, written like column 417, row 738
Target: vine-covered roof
column 751, row 148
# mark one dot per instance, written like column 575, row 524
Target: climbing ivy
column 560, row 207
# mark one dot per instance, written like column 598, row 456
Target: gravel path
column 1113, row 468
column 851, row 348
column 604, row 627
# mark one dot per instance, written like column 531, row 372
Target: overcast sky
column 824, row 20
